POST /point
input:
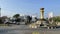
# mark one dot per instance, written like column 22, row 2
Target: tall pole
column 0, row 12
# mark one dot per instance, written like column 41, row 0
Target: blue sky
column 30, row 7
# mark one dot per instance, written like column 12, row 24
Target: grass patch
column 3, row 24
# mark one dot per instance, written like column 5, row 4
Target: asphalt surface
column 24, row 29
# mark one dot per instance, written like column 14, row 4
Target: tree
column 16, row 16
column 4, row 17
column 28, row 19
column 1, row 20
column 36, row 18
column 55, row 19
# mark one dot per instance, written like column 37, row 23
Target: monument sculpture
column 42, row 13
column 42, row 22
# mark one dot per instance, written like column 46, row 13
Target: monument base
column 44, row 22
column 40, row 23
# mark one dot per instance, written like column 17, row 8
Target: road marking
column 35, row 32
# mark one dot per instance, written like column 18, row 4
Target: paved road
column 24, row 29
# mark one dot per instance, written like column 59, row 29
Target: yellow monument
column 42, row 22
column 41, row 13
